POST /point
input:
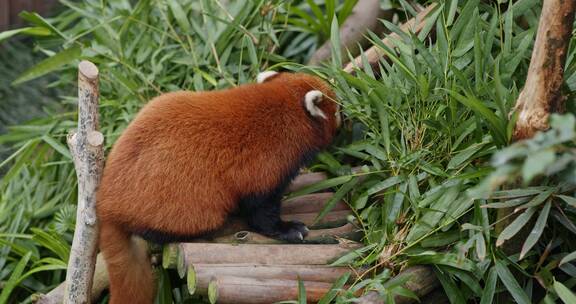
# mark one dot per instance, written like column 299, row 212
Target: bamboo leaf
column 536, row 232
column 515, row 226
column 14, row 278
column 567, row 296
column 511, row 284
column 50, row 64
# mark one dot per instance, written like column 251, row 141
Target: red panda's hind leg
column 263, row 215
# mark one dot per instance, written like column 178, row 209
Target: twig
column 86, row 146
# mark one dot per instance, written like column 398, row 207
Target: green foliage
column 431, row 138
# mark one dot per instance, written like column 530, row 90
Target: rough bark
column 364, row 18
column 419, row 279
column 86, row 146
column 374, row 54
column 542, row 94
column 280, row 254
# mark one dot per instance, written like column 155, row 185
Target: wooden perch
column 86, row 147
column 214, row 253
column 419, row 279
column 204, row 273
column 374, row 54
column 320, row 236
column 310, row 203
column 541, row 94
column 364, row 17
column 241, row 290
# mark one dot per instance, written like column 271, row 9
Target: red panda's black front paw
column 292, row 231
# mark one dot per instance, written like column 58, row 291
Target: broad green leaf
column 511, row 284
column 179, row 15
column 385, row 184
column 50, row 64
column 568, row 258
column 568, row 199
column 567, row 296
column 57, row 146
column 447, row 259
column 515, row 226
column 536, row 232
column 452, row 291
column 191, row 280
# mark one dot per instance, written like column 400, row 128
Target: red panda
column 189, row 159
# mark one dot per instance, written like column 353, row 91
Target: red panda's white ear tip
column 262, row 76
column 311, row 99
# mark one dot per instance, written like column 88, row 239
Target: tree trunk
column 86, row 146
column 542, row 92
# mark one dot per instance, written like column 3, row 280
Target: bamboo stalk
column 86, row 146
column 374, row 53
column 204, row 273
column 240, row 290
column 278, row 254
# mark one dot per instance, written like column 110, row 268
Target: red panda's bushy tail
column 129, row 269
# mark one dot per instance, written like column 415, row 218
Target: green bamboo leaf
column 451, row 289
column 301, row 292
column 325, row 184
column 489, row 287
column 179, row 15
column 57, row 146
column 335, row 199
column 511, row 284
column 536, row 163
column 538, row 199
column 330, row 295
column 385, row 184
column 335, row 43
column 536, row 232
column 567, row 296
column 213, row 292
column 36, row 31
column 50, row 64
column 568, row 199
column 568, row 258
column 447, row 259
column 14, row 278
column 515, row 226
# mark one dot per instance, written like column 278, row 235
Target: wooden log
column 213, row 253
column 364, row 17
column 99, row 284
column 320, row 236
column 419, row 279
column 306, row 179
column 541, row 94
column 311, row 203
column 205, row 273
column 374, row 53
column 86, row 146
column 240, row 290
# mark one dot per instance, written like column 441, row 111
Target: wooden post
column 541, row 94
column 86, row 146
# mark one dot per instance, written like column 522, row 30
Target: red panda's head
column 315, row 95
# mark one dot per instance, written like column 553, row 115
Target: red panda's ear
column 311, row 101
column 263, row 76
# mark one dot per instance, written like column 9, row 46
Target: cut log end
column 88, row 69
column 95, row 138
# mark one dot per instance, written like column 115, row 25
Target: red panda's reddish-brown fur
column 187, row 159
